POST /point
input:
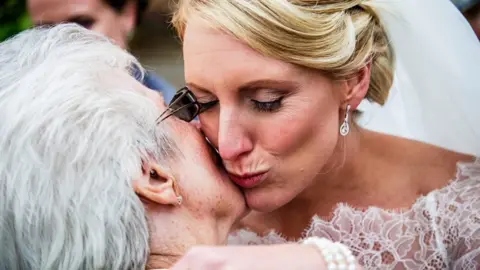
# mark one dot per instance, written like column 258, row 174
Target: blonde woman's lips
column 249, row 180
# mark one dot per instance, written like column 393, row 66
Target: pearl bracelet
column 336, row 255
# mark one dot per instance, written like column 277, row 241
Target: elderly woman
column 77, row 135
column 293, row 88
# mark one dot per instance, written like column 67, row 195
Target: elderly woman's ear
column 157, row 185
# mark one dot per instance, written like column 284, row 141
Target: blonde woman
column 295, row 90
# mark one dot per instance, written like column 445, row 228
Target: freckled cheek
column 205, row 195
column 193, row 183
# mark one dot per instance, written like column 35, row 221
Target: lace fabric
column 440, row 231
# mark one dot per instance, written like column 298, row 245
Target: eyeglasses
column 185, row 106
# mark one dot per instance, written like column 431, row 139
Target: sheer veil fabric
column 437, row 80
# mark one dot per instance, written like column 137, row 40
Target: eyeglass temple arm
column 207, row 105
column 160, row 118
column 168, row 109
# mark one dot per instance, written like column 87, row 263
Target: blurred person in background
column 465, row 5
column 473, row 16
column 117, row 19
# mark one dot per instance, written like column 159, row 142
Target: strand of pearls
column 336, row 255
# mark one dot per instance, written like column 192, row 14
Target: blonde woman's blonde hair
column 338, row 37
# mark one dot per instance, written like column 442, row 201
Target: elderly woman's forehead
column 155, row 96
column 126, row 81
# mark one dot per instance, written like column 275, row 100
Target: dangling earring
column 345, row 127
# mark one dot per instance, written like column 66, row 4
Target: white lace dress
column 440, row 231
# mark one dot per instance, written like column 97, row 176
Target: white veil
column 436, row 93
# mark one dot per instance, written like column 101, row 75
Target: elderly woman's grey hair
column 72, row 139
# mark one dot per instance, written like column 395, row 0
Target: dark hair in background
column 119, row 5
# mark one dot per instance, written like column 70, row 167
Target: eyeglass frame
column 193, row 101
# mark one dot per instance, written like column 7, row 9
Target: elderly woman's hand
column 274, row 257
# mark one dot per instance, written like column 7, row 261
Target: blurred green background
column 154, row 43
column 13, row 18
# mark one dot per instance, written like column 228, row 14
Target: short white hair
column 71, row 142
